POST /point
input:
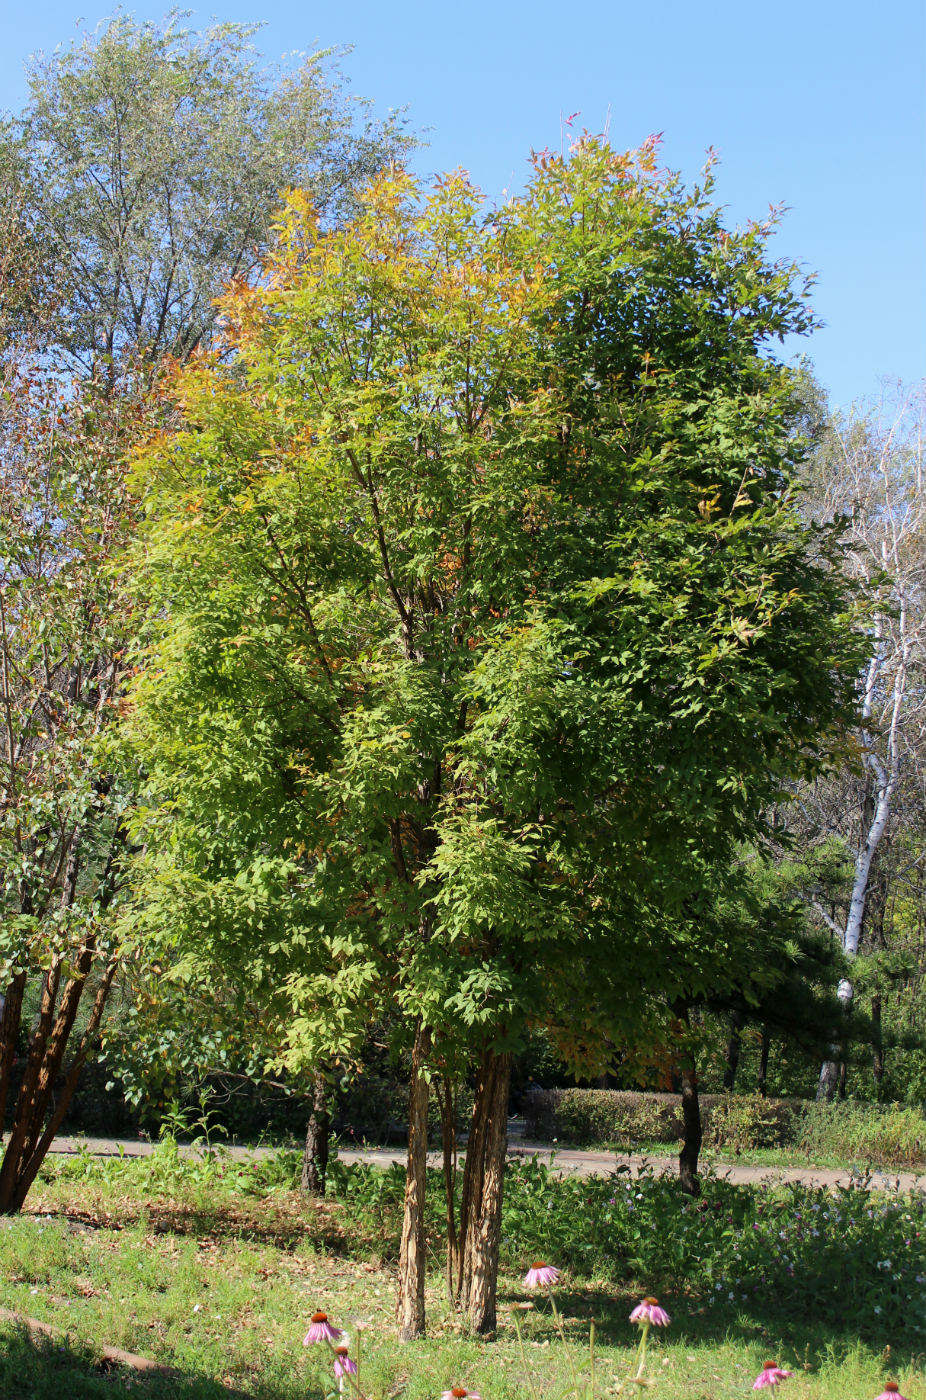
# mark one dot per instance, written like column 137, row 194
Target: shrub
column 880, row 1135
column 861, row 1134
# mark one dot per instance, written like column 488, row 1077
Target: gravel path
column 567, row 1162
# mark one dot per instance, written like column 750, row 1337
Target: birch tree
column 869, row 474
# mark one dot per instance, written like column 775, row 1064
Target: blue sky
column 817, row 105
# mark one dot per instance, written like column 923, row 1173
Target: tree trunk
column 448, row 1118
column 763, row 1060
column 691, row 1111
column 410, row 1315
column 884, row 779
column 36, row 1116
column 877, row 1046
column 734, row 1045
column 315, row 1152
column 31, row 1136
column 693, row 1136
column 483, row 1186
column 831, row 1073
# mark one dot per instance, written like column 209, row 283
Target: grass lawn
column 217, row 1267
column 772, row 1157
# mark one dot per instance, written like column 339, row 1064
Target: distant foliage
column 857, row 1134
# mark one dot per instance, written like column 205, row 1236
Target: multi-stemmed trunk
column 42, row 1099
column 479, row 1231
column 473, row 1237
column 38, row 1112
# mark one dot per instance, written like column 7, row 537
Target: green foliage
column 880, row 1135
column 747, row 1256
column 855, row 1134
column 149, row 161
column 784, row 1247
column 482, row 624
column 625, row 1119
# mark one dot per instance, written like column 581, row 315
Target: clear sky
column 818, row 105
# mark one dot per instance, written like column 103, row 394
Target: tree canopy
column 142, row 177
column 147, row 166
column 483, row 625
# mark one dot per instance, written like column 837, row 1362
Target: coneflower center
column 653, row 1302
column 769, row 1365
column 340, row 1351
column 319, row 1317
column 540, row 1265
column 458, row 1392
column 893, row 1387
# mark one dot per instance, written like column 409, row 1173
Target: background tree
column 150, row 160
column 143, row 174
column 482, row 629
column 867, row 472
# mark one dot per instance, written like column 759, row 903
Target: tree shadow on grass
column 44, row 1368
column 282, row 1224
column 772, row 1326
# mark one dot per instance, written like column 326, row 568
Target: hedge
column 866, row 1134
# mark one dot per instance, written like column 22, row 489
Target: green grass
column 790, row 1158
column 750, row 1129
column 218, row 1275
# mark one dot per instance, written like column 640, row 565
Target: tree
column 868, row 473
column 482, row 627
column 142, row 176
column 148, row 164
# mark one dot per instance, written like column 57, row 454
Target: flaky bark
column 410, row 1311
column 483, row 1186
column 449, row 1144
column 315, row 1152
column 31, row 1136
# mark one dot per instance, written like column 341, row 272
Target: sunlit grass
column 220, row 1282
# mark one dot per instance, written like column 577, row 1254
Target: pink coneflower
column 650, row 1312
column 458, row 1393
column 891, row 1391
column 540, row 1275
column 770, row 1374
column 343, row 1365
column 321, row 1330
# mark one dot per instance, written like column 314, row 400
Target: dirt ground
column 567, row 1161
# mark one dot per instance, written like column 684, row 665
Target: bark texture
column 315, row 1152
column 38, row 1112
column 410, row 1311
column 483, row 1185
column 691, row 1115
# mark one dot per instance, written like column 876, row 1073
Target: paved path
column 566, row 1162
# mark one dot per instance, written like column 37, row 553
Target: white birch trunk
column 885, row 500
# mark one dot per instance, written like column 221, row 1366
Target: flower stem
column 562, row 1334
column 528, row 1371
column 641, row 1351
column 591, row 1357
column 353, row 1380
